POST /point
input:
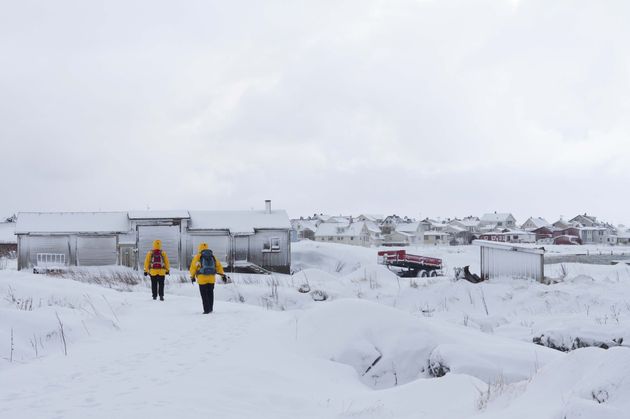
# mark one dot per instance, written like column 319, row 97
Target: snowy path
column 165, row 356
column 168, row 360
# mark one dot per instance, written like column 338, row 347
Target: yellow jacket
column 157, row 245
column 195, row 265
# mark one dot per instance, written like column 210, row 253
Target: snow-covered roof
column 372, row 217
column 496, row 217
column 372, row 227
column 239, row 221
column 7, row 233
column 338, row 219
column 467, row 222
column 345, row 229
column 407, row 227
column 158, row 215
column 304, row 224
column 537, row 222
column 331, row 229
column 72, row 222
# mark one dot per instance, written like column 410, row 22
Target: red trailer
column 413, row 265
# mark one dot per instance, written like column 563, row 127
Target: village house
column 534, row 223
column 360, row 233
column 434, row 238
column 470, row 224
column 497, row 221
column 304, row 229
column 405, row 234
column 510, row 236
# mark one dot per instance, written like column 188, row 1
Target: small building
column 8, row 240
column 510, row 260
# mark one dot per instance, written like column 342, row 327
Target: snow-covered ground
column 379, row 346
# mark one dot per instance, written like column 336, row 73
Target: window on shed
column 272, row 245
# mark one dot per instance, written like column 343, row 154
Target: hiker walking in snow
column 157, row 266
column 203, row 269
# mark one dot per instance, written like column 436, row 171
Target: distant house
column 360, row 233
column 304, row 229
column 405, row 234
column 623, row 237
column 436, row 238
column 498, row 220
column 8, row 240
column 534, row 223
column 510, row 236
column 390, row 222
column 470, row 224
column 374, row 218
column 584, row 220
column 569, row 235
column 562, row 224
column 460, row 235
column 543, row 233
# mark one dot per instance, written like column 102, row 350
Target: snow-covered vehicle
column 410, row 265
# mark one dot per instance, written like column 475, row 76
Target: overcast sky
column 423, row 108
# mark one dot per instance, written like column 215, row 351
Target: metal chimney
column 268, row 206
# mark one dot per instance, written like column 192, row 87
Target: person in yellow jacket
column 157, row 266
column 203, row 268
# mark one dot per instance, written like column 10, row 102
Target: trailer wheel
column 424, row 274
column 433, row 274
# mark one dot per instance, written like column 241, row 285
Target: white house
column 470, row 224
column 498, row 220
column 436, row 237
column 534, row 223
column 360, row 233
column 405, row 234
column 304, row 229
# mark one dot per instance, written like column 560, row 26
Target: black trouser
column 207, row 296
column 157, row 285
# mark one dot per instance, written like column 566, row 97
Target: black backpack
column 208, row 263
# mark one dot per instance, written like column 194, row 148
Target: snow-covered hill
column 378, row 347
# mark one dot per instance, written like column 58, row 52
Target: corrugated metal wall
column 96, row 250
column 170, row 236
column 44, row 244
column 219, row 244
column 261, row 254
column 496, row 262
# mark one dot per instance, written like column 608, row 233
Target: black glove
column 192, row 279
column 168, row 272
column 224, row 278
column 145, row 273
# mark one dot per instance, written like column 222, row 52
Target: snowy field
column 92, row 343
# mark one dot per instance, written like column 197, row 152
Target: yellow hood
column 203, row 246
column 157, row 244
